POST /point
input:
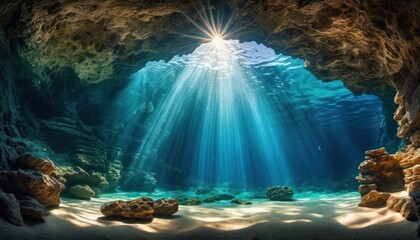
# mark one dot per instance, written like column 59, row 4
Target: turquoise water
column 240, row 115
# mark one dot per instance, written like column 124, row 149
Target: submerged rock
column 191, row 202
column 239, row 201
column 165, row 206
column 10, row 209
column 31, row 208
column 279, row 193
column 408, row 210
column 202, row 191
column 42, row 187
column 82, row 191
column 225, row 196
column 374, row 199
column 213, row 198
column 141, row 208
column 28, row 161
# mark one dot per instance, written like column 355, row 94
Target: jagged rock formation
column 380, row 171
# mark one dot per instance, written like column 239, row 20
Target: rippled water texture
column 240, row 115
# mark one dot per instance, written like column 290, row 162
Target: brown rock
column 396, row 203
column 141, row 208
column 374, row 199
column 366, row 188
column 82, row 192
column 165, row 206
column 408, row 211
column 42, row 187
column 27, row 161
column 376, row 153
column 10, row 209
column 31, row 208
column 413, row 186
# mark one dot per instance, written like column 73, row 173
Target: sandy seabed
column 325, row 216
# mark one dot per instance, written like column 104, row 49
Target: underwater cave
column 209, row 119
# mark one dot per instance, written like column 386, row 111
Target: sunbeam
column 232, row 113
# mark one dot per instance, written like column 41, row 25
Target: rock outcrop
column 374, row 199
column 141, row 208
column 279, row 193
column 380, row 171
column 82, row 192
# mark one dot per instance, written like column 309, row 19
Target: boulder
column 279, row 193
column 374, row 199
column 10, row 209
column 40, row 186
column 28, row 161
column 141, row 208
column 396, row 203
column 191, row 202
column 213, row 198
column 166, row 206
column 225, row 196
column 32, row 209
column 408, row 211
column 202, row 191
column 239, row 201
column 82, row 192
column 413, row 187
column 74, row 175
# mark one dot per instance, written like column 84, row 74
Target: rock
column 32, row 209
column 97, row 191
column 413, row 187
column 415, row 139
column 141, row 208
column 191, row 202
column 374, row 199
column 376, row 153
column 10, row 209
column 27, row 161
column 213, row 198
column 165, row 206
column 279, row 193
column 380, row 171
column 202, row 191
column 366, row 188
column 82, row 192
column 225, row 196
column 239, row 201
column 40, row 186
column 74, row 175
column 408, row 211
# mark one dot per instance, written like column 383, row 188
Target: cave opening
column 236, row 114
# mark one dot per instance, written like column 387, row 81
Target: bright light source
column 218, row 41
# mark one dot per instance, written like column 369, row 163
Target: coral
column 279, row 193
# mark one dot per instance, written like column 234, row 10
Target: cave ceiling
column 373, row 46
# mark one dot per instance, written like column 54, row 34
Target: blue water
column 240, row 115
